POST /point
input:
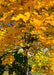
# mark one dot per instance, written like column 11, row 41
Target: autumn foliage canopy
column 26, row 23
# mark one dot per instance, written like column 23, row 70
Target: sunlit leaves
column 8, row 59
column 40, row 60
column 25, row 17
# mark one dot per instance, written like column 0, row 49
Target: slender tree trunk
column 10, row 71
column 26, row 59
column 26, row 64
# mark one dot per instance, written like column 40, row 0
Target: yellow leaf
column 27, row 14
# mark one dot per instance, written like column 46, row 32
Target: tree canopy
column 29, row 23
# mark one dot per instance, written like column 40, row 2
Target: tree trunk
column 26, row 65
column 26, row 59
column 10, row 71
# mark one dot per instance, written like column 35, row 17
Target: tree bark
column 26, row 64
